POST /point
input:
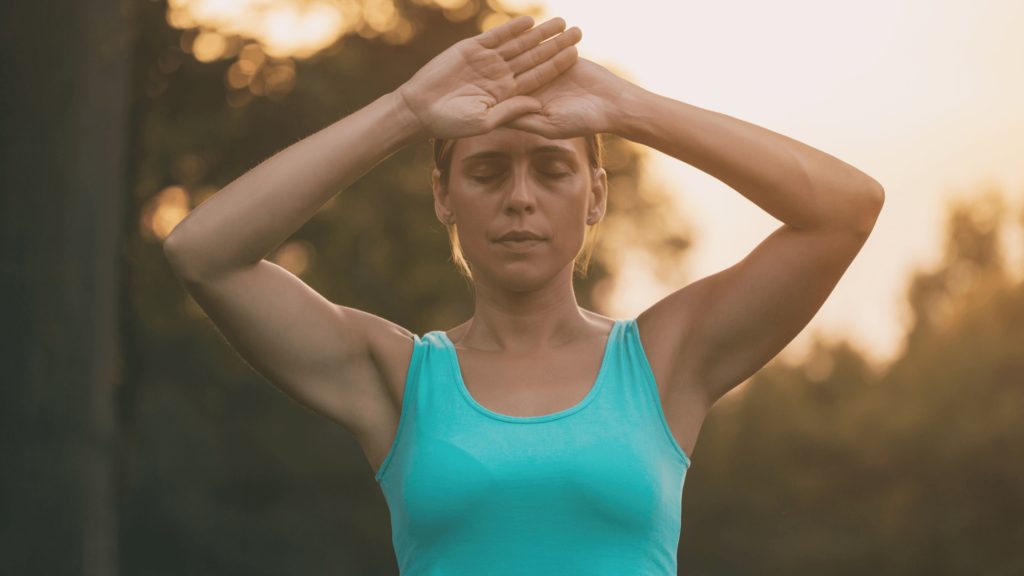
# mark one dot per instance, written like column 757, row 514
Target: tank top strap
column 634, row 390
column 430, row 392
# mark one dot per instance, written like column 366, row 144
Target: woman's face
column 513, row 182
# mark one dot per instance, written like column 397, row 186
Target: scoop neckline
column 594, row 389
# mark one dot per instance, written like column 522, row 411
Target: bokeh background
column 887, row 439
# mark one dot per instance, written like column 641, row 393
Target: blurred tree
column 221, row 473
column 64, row 101
column 827, row 468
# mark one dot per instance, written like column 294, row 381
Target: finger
column 534, row 123
column 540, row 54
column 500, row 34
column 523, row 42
column 508, row 110
column 546, row 72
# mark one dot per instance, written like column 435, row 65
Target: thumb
column 510, row 109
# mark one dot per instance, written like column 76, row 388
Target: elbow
column 179, row 255
column 877, row 195
column 871, row 198
column 172, row 245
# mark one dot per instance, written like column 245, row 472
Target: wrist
column 410, row 127
column 629, row 116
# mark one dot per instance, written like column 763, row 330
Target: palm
column 579, row 102
column 472, row 82
column 481, row 82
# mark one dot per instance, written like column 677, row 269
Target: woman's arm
column 707, row 337
column 332, row 359
column 799, row 185
column 245, row 221
column 719, row 331
column 469, row 89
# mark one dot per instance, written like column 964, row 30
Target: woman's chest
column 461, row 480
column 529, row 385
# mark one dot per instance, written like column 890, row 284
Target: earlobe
column 443, row 214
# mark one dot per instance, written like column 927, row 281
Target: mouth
column 519, row 244
column 520, row 236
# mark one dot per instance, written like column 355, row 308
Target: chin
column 523, row 276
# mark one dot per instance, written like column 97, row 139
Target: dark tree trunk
column 64, row 110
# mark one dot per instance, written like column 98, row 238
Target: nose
column 522, row 198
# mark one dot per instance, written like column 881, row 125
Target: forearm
column 242, row 223
column 797, row 184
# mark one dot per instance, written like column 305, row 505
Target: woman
column 537, row 437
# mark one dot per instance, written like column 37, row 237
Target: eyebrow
column 549, row 149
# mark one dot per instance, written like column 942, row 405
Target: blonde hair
column 443, row 160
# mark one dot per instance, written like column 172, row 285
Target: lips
column 519, row 236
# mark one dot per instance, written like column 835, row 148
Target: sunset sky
column 927, row 97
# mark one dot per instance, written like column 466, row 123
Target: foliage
column 916, row 470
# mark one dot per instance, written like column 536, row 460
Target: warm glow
column 165, row 211
column 287, row 28
column 251, row 57
column 451, row 4
column 923, row 96
column 492, row 19
column 462, row 11
column 819, row 365
column 295, row 256
column 380, row 14
column 238, row 76
column 402, row 32
column 280, row 81
column 284, row 28
column 209, row 46
column 300, row 29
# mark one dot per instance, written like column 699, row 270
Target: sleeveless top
column 594, row 489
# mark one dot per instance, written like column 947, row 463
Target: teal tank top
column 592, row 490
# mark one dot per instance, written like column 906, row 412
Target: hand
column 480, row 83
column 584, row 100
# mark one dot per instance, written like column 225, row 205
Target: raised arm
column 719, row 331
column 709, row 336
column 332, row 359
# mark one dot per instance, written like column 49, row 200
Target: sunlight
column 294, row 256
column 209, row 46
column 165, row 211
column 922, row 96
column 283, row 28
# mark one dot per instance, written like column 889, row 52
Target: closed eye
column 553, row 175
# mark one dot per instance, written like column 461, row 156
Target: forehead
column 510, row 142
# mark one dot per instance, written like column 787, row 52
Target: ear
column 441, row 198
column 598, row 196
